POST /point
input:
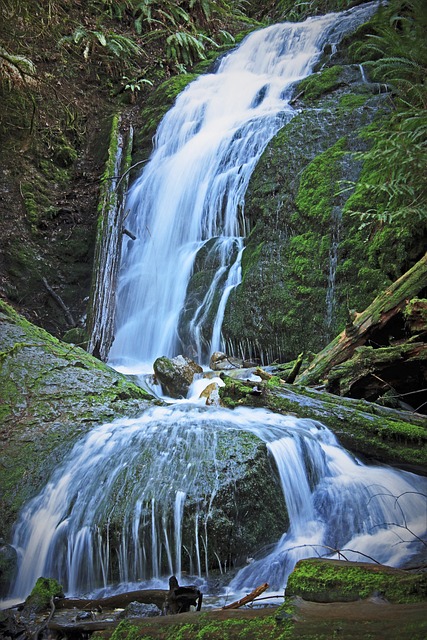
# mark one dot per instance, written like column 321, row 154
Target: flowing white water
column 145, row 478
column 193, row 188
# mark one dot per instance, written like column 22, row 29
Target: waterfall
column 135, row 499
column 136, row 478
column 192, row 190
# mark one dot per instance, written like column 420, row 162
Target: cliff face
column 309, row 260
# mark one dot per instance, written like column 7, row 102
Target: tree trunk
column 387, row 305
column 380, row 433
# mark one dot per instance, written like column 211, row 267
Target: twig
column 120, row 178
column 249, row 598
column 46, row 622
column 60, row 302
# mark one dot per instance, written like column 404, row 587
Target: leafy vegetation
column 392, row 186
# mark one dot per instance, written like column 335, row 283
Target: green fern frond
column 16, row 70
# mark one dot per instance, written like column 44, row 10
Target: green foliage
column 392, row 186
column 186, row 48
column 126, row 631
column 298, row 11
column 92, row 43
column 16, row 70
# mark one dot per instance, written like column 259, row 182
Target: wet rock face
column 8, row 565
column 52, row 394
column 176, row 374
column 306, row 257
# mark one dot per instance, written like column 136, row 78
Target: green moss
column 40, row 597
column 318, row 185
column 38, row 204
column 351, row 101
column 316, row 85
column 52, row 393
column 329, row 580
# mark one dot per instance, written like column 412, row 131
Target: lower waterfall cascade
column 144, row 471
column 132, row 502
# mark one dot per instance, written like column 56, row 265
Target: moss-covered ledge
column 324, row 580
column 50, row 394
column 378, row 433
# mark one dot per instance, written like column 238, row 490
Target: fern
column 186, row 48
column 16, row 70
column 91, row 42
column 392, row 185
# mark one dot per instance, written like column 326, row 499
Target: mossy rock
column 40, row 597
column 52, row 394
column 323, row 580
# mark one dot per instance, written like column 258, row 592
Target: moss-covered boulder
column 322, row 580
column 51, row 394
column 176, row 374
column 40, row 597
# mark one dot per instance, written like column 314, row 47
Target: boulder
column 40, row 597
column 176, row 374
column 323, row 580
column 140, row 610
column 211, row 393
column 52, row 393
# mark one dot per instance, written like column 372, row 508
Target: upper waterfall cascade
column 192, row 190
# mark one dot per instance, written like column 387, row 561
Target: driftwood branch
column 47, row 621
column 68, row 315
column 249, row 598
column 128, row 233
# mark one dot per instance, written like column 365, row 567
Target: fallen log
column 119, row 601
column 362, row 326
column 379, row 433
column 249, row 598
column 90, row 626
column 370, row 373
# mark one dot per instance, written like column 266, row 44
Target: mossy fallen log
column 324, row 580
column 385, row 306
column 379, row 433
column 370, row 373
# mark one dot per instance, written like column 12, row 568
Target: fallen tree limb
column 249, row 598
column 89, row 626
column 68, row 315
column 121, row 600
column 375, row 371
column 385, row 306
